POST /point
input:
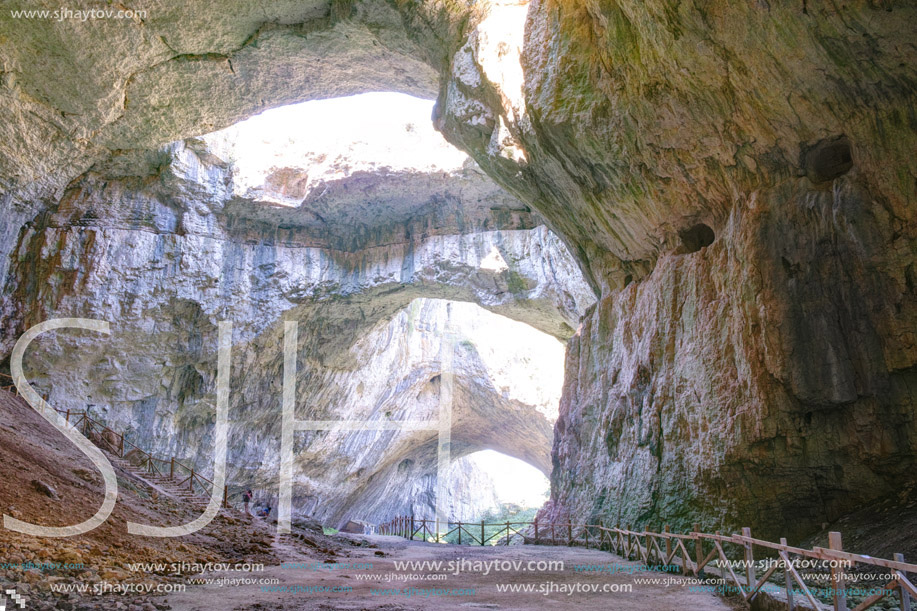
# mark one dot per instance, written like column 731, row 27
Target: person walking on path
column 246, row 499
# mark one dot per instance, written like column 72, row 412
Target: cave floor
column 321, row 572
column 385, row 586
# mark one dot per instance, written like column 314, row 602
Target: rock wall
column 166, row 255
column 738, row 182
column 750, row 383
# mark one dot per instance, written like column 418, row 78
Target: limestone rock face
column 165, row 256
column 472, row 493
column 740, row 185
column 507, row 383
column 118, row 247
column 751, row 382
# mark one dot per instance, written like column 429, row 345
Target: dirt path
column 384, row 587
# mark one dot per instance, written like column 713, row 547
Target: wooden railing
column 115, row 443
column 7, row 384
column 669, row 549
column 472, row 533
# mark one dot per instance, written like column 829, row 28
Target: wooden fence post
column 68, row 416
column 482, row 531
column 837, row 579
column 905, row 597
column 750, row 580
column 791, row 605
column 536, row 531
column 569, row 534
column 507, row 533
column 172, row 468
column 698, row 549
column 412, row 527
column 191, row 480
column 668, row 544
column 225, row 496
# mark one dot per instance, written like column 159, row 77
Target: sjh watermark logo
column 17, row 599
column 68, row 14
column 441, row 425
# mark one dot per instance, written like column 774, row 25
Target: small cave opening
column 827, row 159
column 696, row 237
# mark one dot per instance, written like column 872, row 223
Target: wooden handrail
column 74, row 418
column 644, row 545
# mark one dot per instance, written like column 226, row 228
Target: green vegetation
column 494, row 525
column 515, row 282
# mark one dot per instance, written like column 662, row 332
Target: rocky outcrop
column 472, row 492
column 750, row 222
column 126, row 245
column 394, row 375
column 727, row 394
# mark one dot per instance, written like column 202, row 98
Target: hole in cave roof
column 285, row 154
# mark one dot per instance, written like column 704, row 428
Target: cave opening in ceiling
column 292, row 154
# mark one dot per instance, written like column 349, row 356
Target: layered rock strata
column 164, row 257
